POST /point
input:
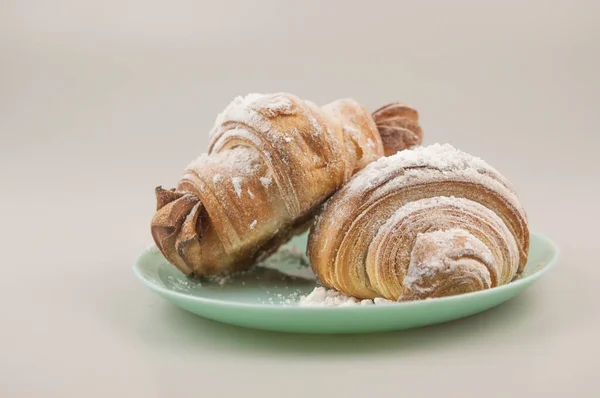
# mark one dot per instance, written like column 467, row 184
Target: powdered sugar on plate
column 323, row 297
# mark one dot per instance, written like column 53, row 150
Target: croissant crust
column 272, row 160
column 427, row 222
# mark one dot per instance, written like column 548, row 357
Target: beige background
column 102, row 101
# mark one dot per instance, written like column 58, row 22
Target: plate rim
column 430, row 301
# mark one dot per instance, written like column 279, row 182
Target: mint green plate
column 266, row 297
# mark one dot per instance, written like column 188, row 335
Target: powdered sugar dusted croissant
column 428, row 222
column 273, row 159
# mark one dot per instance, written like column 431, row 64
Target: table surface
column 101, row 102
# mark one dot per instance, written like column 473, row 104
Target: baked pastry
column 427, row 222
column 272, row 160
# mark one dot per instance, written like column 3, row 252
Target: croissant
column 428, row 222
column 272, row 160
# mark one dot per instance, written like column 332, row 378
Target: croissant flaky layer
column 427, row 222
column 272, row 160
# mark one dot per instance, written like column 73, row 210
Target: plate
column 267, row 296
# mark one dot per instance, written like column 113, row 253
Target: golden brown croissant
column 273, row 159
column 427, row 222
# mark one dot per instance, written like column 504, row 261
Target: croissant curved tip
column 164, row 196
column 398, row 126
column 175, row 226
column 395, row 109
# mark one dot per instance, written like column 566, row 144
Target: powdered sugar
column 316, row 127
column 440, row 249
column 239, row 110
column 468, row 207
column 436, row 163
column 246, row 160
column 265, row 181
column 237, row 185
column 273, row 105
column 323, row 297
column 244, row 134
column 237, row 161
column 441, row 157
column 255, row 110
column 436, row 201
